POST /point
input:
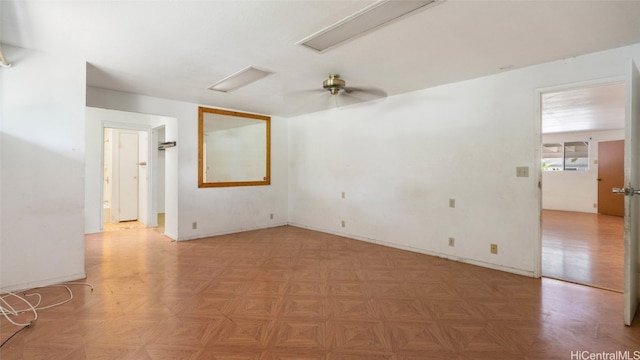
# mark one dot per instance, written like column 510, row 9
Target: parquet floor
column 124, row 225
column 583, row 248
column 127, row 225
column 290, row 293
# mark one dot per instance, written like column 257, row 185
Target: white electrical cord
column 3, row 61
column 7, row 310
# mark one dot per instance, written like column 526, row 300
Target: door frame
column 155, row 174
column 152, row 213
column 537, row 270
column 632, row 203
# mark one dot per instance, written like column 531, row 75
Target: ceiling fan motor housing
column 333, row 84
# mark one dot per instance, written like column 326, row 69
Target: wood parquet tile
column 583, row 248
column 289, row 293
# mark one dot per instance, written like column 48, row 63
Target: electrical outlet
column 342, row 223
column 343, row 195
column 271, row 216
column 452, row 242
column 452, row 203
column 522, row 171
column 494, row 249
column 194, row 225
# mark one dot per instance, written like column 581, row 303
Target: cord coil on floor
column 10, row 312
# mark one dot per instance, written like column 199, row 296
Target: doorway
column 581, row 241
column 125, row 187
column 157, row 187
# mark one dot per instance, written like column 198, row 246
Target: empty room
column 317, row 179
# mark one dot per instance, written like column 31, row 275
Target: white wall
column 42, row 236
column 161, row 173
column 575, row 190
column 401, row 159
column 107, row 186
column 2, row 116
column 143, row 179
column 215, row 210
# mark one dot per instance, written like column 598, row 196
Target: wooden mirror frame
column 202, row 111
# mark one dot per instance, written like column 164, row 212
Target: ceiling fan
column 336, row 89
column 335, row 85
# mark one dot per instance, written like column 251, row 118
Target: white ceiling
column 176, row 49
column 599, row 107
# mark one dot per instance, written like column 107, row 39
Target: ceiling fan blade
column 369, row 92
column 303, row 95
column 310, row 100
column 353, row 98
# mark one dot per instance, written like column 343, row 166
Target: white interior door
column 128, row 175
column 632, row 199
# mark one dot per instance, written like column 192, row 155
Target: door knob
column 628, row 191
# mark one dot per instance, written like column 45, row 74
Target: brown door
column 610, row 175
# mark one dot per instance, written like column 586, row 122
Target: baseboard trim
column 508, row 269
column 227, row 232
column 484, row 264
column 43, row 283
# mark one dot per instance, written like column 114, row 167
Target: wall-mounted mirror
column 233, row 148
